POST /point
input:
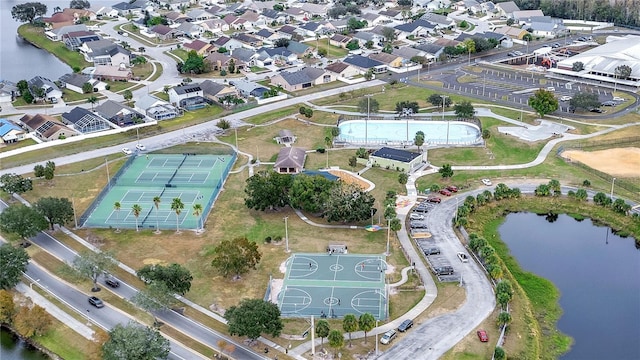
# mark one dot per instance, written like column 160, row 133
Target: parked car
column 405, row 325
column 518, row 53
column 414, row 216
column 127, row 151
column 511, row 54
column 482, row 335
column 609, row 103
column 421, row 209
column 618, row 98
column 555, row 45
column 565, row 98
column 452, row 188
column 463, row 257
column 443, row 270
column 96, row 302
column 112, row 282
column 445, row 192
column 141, row 147
column 388, row 337
column 434, row 199
column 487, row 182
column 597, row 110
column 432, row 251
column 551, row 88
column 417, row 225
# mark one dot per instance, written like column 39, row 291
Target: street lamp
column 444, row 100
column 377, row 353
column 613, row 181
column 366, row 123
column 286, row 233
column 484, row 82
column 388, row 235
column 106, row 164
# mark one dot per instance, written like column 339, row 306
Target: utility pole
column 444, row 100
column 286, row 233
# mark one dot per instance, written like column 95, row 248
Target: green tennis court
column 194, row 179
column 331, row 286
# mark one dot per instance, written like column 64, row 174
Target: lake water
column 21, row 60
column 12, row 348
column 597, row 273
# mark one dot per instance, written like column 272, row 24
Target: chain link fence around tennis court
column 629, row 184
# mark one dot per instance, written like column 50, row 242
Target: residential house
column 104, row 11
column 163, row 32
column 342, row 70
column 507, row 9
column 234, row 22
column 227, row 43
column 105, row 52
column 279, row 56
column 248, row 41
column 299, row 48
column 485, row 35
column 245, row 56
column 112, row 73
column 176, row 4
column 8, row 91
column 290, row 160
column 365, row 64
column 176, row 17
column 126, row 8
column 488, row 7
column 287, row 31
column 439, row 21
column 46, row 127
column 402, row 160
column 417, row 28
column 220, row 61
column 190, row 30
column 374, row 18
column 75, row 39
column 432, row 51
column 51, row 91
column 252, row 20
column 512, row 32
column 390, row 60
column 339, row 40
column 215, row 91
column 156, row 108
column 338, row 25
column 271, row 16
column 214, row 10
column 248, row 88
column 285, row 137
column 472, row 5
column 310, row 29
column 118, row 114
column 312, row 10
column 57, row 34
column 524, row 17
column 391, row 15
column 67, row 17
column 302, row 79
column 363, row 37
column 190, row 97
column 407, row 53
column 436, row 5
column 75, row 82
column 199, row 14
column 265, row 35
column 444, row 42
column 200, row 47
column 296, row 14
column 214, row 25
column 10, row 132
column 548, row 27
column 84, row 121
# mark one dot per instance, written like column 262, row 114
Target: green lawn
column 36, row 36
column 333, row 52
column 181, row 53
column 273, row 115
column 18, row 145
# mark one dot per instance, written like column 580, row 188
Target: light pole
column 106, row 164
column 372, row 216
column 377, row 353
column 236, row 130
column 366, row 123
column 286, row 233
column 484, row 82
column 444, row 100
column 613, row 181
column 388, row 235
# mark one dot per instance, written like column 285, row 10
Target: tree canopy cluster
column 28, row 12
column 543, row 102
column 233, row 258
column 618, row 11
column 336, row 201
column 176, row 277
column 135, row 342
column 13, row 262
column 14, row 183
column 254, row 317
column 194, row 64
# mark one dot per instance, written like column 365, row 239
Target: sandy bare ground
column 622, row 162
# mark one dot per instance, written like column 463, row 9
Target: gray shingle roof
column 362, row 62
column 75, row 79
column 302, row 76
column 396, row 154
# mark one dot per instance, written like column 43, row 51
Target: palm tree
column 116, row 207
column 137, row 209
column 156, row 202
column 177, row 205
column 197, row 211
column 92, row 100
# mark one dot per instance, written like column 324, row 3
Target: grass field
column 35, row 35
column 333, row 52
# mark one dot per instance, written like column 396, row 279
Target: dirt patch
column 350, row 178
column 622, row 162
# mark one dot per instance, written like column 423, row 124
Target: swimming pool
column 404, row 131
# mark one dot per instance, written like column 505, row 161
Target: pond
column 12, row 348
column 597, row 273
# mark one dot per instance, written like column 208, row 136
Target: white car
column 463, row 257
column 127, row 151
column 415, row 216
column 617, row 98
column 565, row 98
column 486, row 182
column 387, row 337
column 141, row 147
column 551, row 88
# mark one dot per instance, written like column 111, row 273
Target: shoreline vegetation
column 537, row 307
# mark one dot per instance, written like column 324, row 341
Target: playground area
column 333, row 284
column 194, row 179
